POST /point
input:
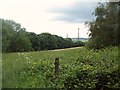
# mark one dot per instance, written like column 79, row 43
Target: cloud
column 77, row 12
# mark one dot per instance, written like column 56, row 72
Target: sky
column 59, row 17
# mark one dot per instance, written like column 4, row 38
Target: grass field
column 36, row 69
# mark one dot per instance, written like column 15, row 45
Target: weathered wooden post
column 56, row 67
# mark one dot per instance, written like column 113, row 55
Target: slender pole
column 78, row 34
column 67, row 36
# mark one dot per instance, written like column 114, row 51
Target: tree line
column 17, row 39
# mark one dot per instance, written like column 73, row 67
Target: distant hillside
column 80, row 39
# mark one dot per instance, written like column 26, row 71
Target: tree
column 34, row 39
column 14, row 37
column 47, row 41
column 61, row 42
column 19, row 42
column 104, row 29
column 68, row 43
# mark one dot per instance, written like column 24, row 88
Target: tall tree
column 104, row 29
column 20, row 42
column 14, row 37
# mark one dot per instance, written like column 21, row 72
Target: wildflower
column 27, row 58
column 18, row 53
column 29, row 62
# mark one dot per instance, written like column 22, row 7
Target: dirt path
column 65, row 49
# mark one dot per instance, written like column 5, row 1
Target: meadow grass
column 36, row 69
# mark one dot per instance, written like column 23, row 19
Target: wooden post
column 56, row 67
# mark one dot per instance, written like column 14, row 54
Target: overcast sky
column 60, row 17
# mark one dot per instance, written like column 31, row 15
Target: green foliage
column 68, row 43
column 95, row 43
column 47, row 41
column 34, row 39
column 78, row 43
column 104, row 29
column 14, row 38
column 19, row 42
column 7, row 30
column 50, row 42
column 79, row 68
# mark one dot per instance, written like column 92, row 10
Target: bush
column 95, row 44
column 85, row 79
